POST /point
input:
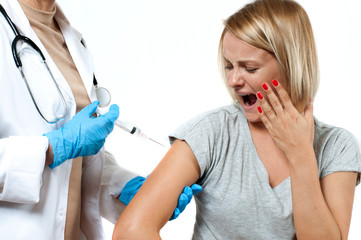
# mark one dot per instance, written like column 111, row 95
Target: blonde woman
column 268, row 168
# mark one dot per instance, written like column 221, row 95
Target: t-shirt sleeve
column 200, row 133
column 342, row 154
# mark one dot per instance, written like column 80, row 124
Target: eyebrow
column 244, row 62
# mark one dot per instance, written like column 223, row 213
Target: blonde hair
column 282, row 28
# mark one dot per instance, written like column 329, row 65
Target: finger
column 112, row 114
column 273, row 99
column 130, row 189
column 284, row 97
column 183, row 201
column 188, row 192
column 90, row 109
column 262, row 102
column 265, row 107
column 267, row 111
column 86, row 112
column 175, row 214
column 264, row 118
column 196, row 189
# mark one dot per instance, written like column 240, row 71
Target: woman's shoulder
column 332, row 142
column 212, row 122
column 228, row 111
column 327, row 132
column 220, row 115
column 336, row 148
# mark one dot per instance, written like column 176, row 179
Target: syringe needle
column 130, row 128
column 143, row 135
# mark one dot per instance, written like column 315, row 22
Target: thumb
column 196, row 189
column 85, row 113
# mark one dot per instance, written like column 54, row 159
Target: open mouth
column 249, row 99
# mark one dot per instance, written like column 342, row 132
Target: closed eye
column 227, row 64
column 228, row 67
column 251, row 70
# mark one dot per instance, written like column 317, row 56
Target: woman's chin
column 253, row 118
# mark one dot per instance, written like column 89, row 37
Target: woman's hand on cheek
column 291, row 131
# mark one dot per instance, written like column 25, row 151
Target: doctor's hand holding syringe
column 128, row 127
column 104, row 98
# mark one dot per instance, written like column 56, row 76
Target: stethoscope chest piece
column 103, row 96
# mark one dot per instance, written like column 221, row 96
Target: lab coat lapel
column 81, row 56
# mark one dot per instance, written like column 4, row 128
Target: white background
column 159, row 60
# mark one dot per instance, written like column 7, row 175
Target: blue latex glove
column 83, row 135
column 132, row 187
column 185, row 198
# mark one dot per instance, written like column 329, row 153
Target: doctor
column 55, row 128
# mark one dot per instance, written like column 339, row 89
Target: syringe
column 130, row 128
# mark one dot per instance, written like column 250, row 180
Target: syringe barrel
column 130, row 128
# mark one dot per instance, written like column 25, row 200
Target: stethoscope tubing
column 19, row 65
column 25, row 40
column 12, row 25
column 105, row 99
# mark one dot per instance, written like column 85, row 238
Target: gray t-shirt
column 237, row 201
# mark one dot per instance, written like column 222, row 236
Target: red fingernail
column 259, row 109
column 260, row 96
column 275, row 83
column 265, row 86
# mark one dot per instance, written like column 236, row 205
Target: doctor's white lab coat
column 33, row 198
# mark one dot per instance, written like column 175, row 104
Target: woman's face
column 247, row 68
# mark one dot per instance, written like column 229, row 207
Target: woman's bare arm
column 322, row 210
column 339, row 190
column 154, row 203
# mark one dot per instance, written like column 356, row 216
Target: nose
column 235, row 79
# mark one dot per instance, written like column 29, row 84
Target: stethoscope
column 102, row 94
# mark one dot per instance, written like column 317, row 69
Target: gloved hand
column 132, row 187
column 185, row 198
column 83, row 135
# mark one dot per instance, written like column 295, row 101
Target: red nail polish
column 259, row 109
column 265, row 86
column 259, row 95
column 275, row 83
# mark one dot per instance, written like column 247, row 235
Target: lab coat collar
column 13, row 9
